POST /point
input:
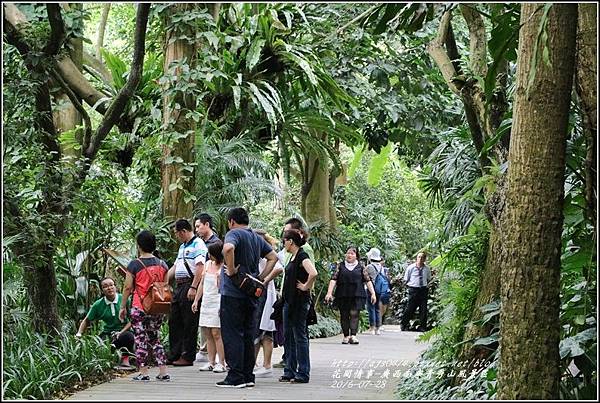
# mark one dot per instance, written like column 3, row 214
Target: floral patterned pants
column 146, row 329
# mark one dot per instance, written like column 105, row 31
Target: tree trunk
column 101, row 29
column 316, row 199
column 42, row 291
column 586, row 79
column 483, row 121
column 178, row 154
column 530, row 277
column 40, row 277
column 66, row 116
column 54, row 206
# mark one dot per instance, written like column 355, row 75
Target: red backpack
column 157, row 300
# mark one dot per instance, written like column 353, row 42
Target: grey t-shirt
column 249, row 249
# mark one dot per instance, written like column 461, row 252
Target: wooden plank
column 393, row 350
column 119, row 258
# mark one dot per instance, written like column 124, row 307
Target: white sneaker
column 377, row 331
column 263, row 372
column 218, row 368
column 201, row 357
column 373, row 331
column 206, row 367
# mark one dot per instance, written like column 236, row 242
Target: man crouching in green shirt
column 106, row 309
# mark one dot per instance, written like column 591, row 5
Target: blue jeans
column 237, row 331
column 297, row 362
column 374, row 312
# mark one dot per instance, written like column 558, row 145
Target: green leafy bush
column 432, row 379
column 37, row 367
column 325, row 327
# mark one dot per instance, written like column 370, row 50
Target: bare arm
column 371, row 291
column 229, row 257
column 312, row 275
column 83, row 326
column 270, row 272
column 193, row 290
column 127, row 289
column 329, row 296
column 126, row 327
column 171, row 274
column 199, row 291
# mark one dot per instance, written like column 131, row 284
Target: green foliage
column 36, row 367
column 405, row 17
column 233, row 173
column 431, row 379
column 458, row 268
column 393, row 216
column 452, row 180
column 378, row 165
column 402, row 96
column 578, row 315
column 503, row 42
column 325, row 327
column 438, row 373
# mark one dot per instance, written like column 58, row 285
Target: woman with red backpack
column 141, row 274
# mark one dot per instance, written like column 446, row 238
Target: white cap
column 374, row 255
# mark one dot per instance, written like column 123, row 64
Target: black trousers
column 349, row 319
column 125, row 343
column 417, row 298
column 237, row 331
column 183, row 325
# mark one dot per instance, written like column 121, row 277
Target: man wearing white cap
column 380, row 285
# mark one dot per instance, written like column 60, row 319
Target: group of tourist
column 234, row 325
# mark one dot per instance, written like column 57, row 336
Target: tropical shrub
column 37, row 367
column 325, row 327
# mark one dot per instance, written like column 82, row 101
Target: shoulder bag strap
column 187, row 266
column 185, row 263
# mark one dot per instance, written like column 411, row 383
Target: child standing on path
column 209, row 308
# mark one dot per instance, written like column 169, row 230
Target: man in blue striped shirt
column 187, row 270
column 417, row 277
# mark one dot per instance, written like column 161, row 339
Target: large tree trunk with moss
column 530, row 278
column 316, row 198
column 586, row 80
column 178, row 152
column 66, row 115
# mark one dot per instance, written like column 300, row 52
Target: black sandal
column 284, row 378
column 296, row 380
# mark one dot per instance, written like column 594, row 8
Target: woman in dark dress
column 350, row 297
column 300, row 275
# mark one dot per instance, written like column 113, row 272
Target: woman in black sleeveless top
column 350, row 296
column 300, row 275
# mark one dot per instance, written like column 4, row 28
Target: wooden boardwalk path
column 367, row 371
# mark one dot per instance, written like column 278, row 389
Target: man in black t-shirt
column 242, row 251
